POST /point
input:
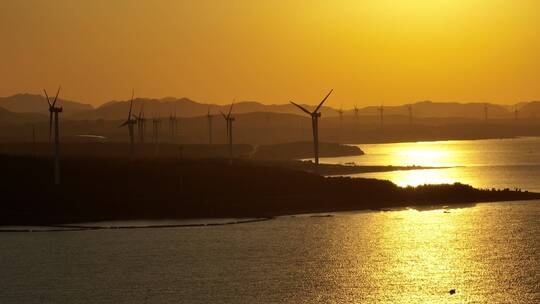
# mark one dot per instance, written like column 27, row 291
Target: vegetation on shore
column 96, row 189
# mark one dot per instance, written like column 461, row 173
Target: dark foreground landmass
column 288, row 151
column 98, row 189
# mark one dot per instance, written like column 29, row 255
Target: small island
column 303, row 150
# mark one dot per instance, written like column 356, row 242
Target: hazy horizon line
column 271, row 104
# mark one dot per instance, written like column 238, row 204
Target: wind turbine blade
column 230, row 109
column 131, row 104
column 224, row 116
column 56, row 98
column 301, row 108
column 125, row 123
column 47, row 96
column 320, row 105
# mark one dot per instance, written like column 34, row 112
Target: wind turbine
column 53, row 115
column 356, row 112
column 141, row 122
column 173, row 124
column 340, row 112
column 209, row 117
column 156, row 121
column 130, row 122
column 409, row 109
column 229, row 120
column 315, row 115
column 381, row 114
column 516, row 117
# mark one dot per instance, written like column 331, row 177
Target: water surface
column 489, row 253
column 494, row 163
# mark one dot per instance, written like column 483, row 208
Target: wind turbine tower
column 356, row 112
column 409, row 109
column 229, row 121
column 381, row 115
column 53, row 115
column 156, row 121
column 173, row 124
column 130, row 122
column 141, row 124
column 209, row 117
column 315, row 115
column 340, row 112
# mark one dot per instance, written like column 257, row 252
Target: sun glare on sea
column 426, row 155
column 430, row 154
column 442, row 162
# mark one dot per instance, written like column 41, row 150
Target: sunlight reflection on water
column 488, row 253
column 504, row 163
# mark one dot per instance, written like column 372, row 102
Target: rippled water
column 488, row 253
column 499, row 163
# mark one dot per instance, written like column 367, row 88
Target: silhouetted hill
column 425, row 109
column 8, row 117
column 188, row 108
column 529, row 110
column 31, row 103
column 116, row 110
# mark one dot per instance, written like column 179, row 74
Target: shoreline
column 405, row 141
column 321, row 214
column 333, row 170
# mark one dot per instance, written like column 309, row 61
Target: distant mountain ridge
column 32, row 103
column 9, row 117
column 426, row 109
column 185, row 107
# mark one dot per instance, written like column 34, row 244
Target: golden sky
column 273, row 51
